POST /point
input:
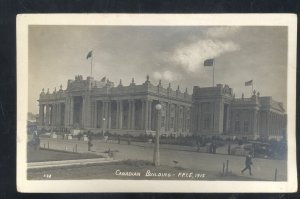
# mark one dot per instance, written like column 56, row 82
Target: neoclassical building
column 101, row 106
column 216, row 111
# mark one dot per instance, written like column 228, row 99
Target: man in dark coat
column 248, row 163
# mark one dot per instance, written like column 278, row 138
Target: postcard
column 156, row 103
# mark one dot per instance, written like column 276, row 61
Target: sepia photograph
column 182, row 103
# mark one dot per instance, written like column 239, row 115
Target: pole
column 92, row 65
column 156, row 150
column 213, row 75
column 227, row 169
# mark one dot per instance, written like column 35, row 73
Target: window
column 206, row 122
column 246, row 126
column 163, row 121
column 237, row 126
column 180, row 123
column 163, row 108
column 172, row 122
column 172, row 108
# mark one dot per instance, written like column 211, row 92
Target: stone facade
column 216, row 111
column 99, row 106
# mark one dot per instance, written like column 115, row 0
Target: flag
column 209, row 62
column 90, row 54
column 249, row 83
column 103, row 79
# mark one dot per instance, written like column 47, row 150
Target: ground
column 52, row 155
column 143, row 169
column 173, row 156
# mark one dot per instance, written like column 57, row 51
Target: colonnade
column 140, row 114
column 129, row 114
column 52, row 114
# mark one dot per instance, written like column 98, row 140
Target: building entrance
column 77, row 111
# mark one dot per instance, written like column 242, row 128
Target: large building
column 216, row 111
column 100, row 106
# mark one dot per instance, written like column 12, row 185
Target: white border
column 24, row 20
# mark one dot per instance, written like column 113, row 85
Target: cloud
column 166, row 75
column 222, row 32
column 192, row 56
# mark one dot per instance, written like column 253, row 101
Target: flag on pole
column 90, row 54
column 249, row 83
column 209, row 62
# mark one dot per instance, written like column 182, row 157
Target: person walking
column 248, row 163
column 89, row 143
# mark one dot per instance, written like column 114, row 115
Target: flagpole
column 213, row 127
column 252, row 86
column 92, row 65
column 213, row 75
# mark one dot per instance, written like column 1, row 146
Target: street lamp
column 103, row 128
column 156, row 147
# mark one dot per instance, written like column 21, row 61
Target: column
column 178, row 117
column 184, row 110
column 83, row 114
column 53, row 111
column 95, row 113
column 86, row 111
column 175, row 118
column 143, row 115
column 255, row 122
column 71, row 111
column 55, row 114
column 109, row 114
column 52, row 115
column 167, row 116
column 104, row 115
column 120, row 114
column 133, row 114
column 149, row 114
column 146, row 119
column 57, row 120
column 47, row 115
column 66, row 114
column 117, row 115
column 129, row 114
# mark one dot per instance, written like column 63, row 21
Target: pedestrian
column 248, row 163
column 90, row 143
column 229, row 149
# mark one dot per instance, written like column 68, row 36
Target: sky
column 173, row 54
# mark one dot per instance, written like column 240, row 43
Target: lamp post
column 103, row 129
column 156, row 147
